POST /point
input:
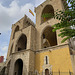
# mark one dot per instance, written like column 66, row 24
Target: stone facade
column 34, row 48
column 1, row 64
column 73, row 62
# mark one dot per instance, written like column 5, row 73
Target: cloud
column 11, row 14
column 38, row 2
column 3, row 51
column 5, row 48
column 5, row 55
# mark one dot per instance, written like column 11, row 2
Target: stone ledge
column 52, row 48
column 22, row 51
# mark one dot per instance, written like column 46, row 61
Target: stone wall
column 73, row 63
column 59, row 59
column 24, row 56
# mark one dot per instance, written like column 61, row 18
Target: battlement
column 25, row 22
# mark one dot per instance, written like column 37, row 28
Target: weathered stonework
column 73, row 62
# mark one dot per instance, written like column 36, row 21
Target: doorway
column 46, row 72
column 18, row 67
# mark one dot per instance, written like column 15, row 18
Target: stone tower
column 21, row 47
column 49, row 6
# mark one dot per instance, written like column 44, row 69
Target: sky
column 10, row 12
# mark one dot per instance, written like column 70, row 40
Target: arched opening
column 46, row 72
column 16, row 29
column 49, row 38
column 8, row 67
column 18, row 67
column 47, row 13
column 11, row 49
column 22, row 43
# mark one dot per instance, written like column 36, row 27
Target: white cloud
column 5, row 48
column 5, row 55
column 38, row 2
column 13, row 13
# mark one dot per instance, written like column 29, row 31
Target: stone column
column 73, row 63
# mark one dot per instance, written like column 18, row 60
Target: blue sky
column 10, row 12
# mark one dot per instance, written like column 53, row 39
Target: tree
column 67, row 21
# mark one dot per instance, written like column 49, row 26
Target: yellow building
column 55, row 59
column 34, row 49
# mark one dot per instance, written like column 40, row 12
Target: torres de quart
column 35, row 50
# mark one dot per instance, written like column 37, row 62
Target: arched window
column 18, row 67
column 49, row 38
column 16, row 29
column 47, row 13
column 22, row 43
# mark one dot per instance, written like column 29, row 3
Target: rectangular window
column 46, row 60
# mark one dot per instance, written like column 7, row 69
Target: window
column 46, row 60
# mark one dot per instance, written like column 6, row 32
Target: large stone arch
column 21, row 43
column 47, row 13
column 49, row 37
column 18, row 67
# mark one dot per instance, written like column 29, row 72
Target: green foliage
column 47, row 15
column 67, row 21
